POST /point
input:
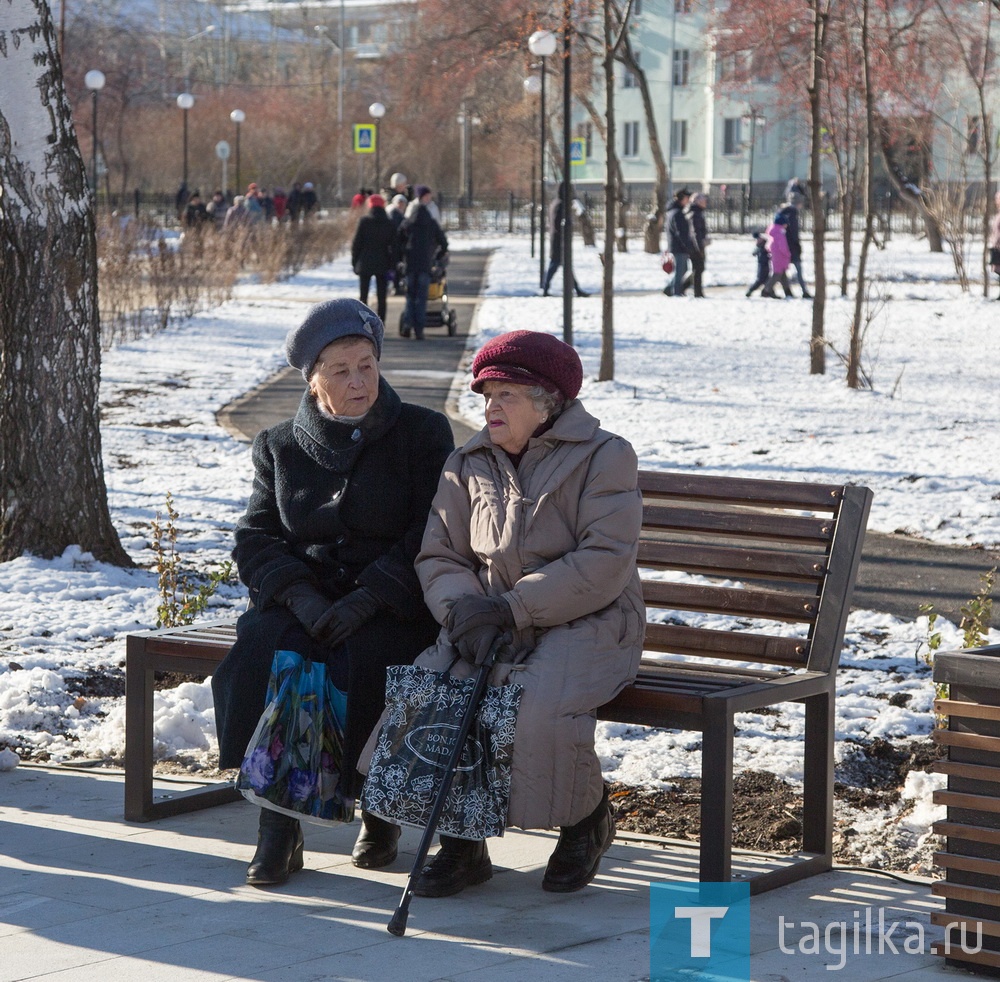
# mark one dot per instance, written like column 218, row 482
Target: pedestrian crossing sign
column 364, row 137
column 577, row 153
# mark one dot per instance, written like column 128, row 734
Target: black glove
column 346, row 615
column 472, row 611
column 474, row 646
column 307, row 603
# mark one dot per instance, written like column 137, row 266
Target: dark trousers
column 417, row 285
column 381, row 290
column 774, row 279
column 554, row 263
column 694, row 277
column 762, row 276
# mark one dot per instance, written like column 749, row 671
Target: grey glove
column 472, row 611
column 307, row 603
column 346, row 615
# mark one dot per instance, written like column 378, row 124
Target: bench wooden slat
column 739, row 524
column 765, row 604
column 713, row 487
column 706, row 560
column 681, row 640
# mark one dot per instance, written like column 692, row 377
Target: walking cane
column 397, row 924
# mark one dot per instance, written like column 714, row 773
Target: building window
column 679, row 138
column 972, row 134
column 682, row 6
column 630, row 131
column 588, row 139
column 732, row 136
column 630, row 81
column 682, row 67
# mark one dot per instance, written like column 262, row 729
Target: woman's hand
column 346, row 615
column 474, row 624
column 308, row 604
column 474, row 646
column 473, row 611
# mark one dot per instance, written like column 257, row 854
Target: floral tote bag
column 423, row 711
column 293, row 761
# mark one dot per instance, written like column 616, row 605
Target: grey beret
column 327, row 322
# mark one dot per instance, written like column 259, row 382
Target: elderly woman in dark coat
column 340, row 499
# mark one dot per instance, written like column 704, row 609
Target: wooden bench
column 765, row 554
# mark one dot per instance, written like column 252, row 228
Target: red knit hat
column 376, row 201
column 529, row 358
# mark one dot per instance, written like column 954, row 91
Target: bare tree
column 820, row 15
column 52, row 490
column 857, row 322
column 612, row 184
column 626, row 54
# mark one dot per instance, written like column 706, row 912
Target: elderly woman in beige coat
column 533, row 532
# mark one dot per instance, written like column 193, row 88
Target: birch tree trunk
column 52, row 490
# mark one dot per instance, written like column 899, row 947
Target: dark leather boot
column 578, row 854
column 460, row 863
column 279, row 849
column 376, row 845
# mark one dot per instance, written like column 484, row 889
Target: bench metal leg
column 817, row 776
column 716, row 850
column 140, row 673
column 138, row 734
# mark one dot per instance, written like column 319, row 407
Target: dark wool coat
column 699, row 229
column 373, row 251
column 422, row 239
column 339, row 512
column 678, row 230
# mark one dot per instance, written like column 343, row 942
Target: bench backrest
column 761, row 553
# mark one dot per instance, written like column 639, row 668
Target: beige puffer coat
column 558, row 539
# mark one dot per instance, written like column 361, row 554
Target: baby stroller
column 439, row 312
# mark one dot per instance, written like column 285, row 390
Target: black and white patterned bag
column 424, row 709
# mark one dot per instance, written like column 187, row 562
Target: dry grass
column 145, row 281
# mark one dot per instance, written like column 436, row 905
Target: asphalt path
column 898, row 573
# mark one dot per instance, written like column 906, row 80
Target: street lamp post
column 533, row 86
column 567, row 200
column 755, row 119
column 94, row 80
column 466, row 119
column 237, row 116
column 185, row 101
column 324, row 31
column 542, row 44
column 376, row 110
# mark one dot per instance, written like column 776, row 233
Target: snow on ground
column 719, row 385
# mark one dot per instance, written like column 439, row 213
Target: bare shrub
column 146, row 280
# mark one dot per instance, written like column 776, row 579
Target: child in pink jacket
column 781, row 257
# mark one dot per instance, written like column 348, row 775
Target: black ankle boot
column 460, row 863
column 376, row 845
column 578, row 854
column 279, row 849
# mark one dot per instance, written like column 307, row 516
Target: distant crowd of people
column 256, row 205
